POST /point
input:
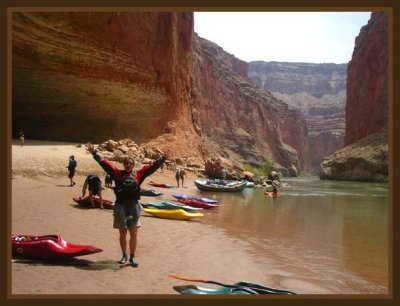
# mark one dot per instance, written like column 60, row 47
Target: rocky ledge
column 364, row 160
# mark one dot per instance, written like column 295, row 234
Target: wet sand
column 42, row 204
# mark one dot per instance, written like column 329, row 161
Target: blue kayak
column 201, row 199
column 169, row 205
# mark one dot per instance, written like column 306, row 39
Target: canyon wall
column 317, row 91
column 96, row 76
column 99, row 76
column 244, row 119
column 365, row 157
column 367, row 80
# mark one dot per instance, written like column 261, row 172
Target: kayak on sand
column 237, row 288
column 177, row 214
column 48, row 247
column 162, row 185
column 201, row 199
column 96, row 201
column 200, row 204
column 150, row 193
column 169, row 205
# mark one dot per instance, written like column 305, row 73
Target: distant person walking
column 93, row 183
column 21, row 138
column 180, row 175
column 71, row 169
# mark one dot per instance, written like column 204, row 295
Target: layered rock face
column 367, row 81
column 99, row 76
column 242, row 118
column 365, row 157
column 317, row 91
column 363, row 160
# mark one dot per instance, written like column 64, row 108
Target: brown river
column 333, row 233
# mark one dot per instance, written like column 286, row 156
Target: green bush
column 259, row 171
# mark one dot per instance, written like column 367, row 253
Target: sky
column 310, row 37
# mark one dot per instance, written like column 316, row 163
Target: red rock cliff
column 100, row 76
column 367, row 81
column 241, row 117
column 365, row 156
column 96, row 76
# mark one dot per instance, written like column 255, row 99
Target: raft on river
column 220, row 185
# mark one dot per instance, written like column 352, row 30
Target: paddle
column 243, row 285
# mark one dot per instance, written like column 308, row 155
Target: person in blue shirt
column 71, row 169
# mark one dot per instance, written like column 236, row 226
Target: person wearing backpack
column 127, row 208
column 71, row 169
column 93, row 183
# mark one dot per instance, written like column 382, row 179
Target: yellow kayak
column 178, row 214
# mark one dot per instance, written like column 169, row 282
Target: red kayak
column 48, row 247
column 86, row 203
column 272, row 194
column 195, row 203
column 162, row 185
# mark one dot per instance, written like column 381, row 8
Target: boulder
column 364, row 160
column 214, row 166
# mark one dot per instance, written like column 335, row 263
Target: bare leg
column 132, row 245
column 91, row 199
column 133, row 239
column 122, row 243
column 101, row 200
column 122, row 239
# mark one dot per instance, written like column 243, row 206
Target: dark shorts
column 95, row 186
column 71, row 174
column 127, row 214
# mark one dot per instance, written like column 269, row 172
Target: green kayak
column 237, row 288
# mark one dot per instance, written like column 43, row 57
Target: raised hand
column 90, row 147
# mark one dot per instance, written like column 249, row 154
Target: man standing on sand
column 71, row 169
column 127, row 208
column 180, row 175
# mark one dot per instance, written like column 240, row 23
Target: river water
column 331, row 233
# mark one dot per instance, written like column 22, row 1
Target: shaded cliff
column 80, row 76
column 365, row 157
column 317, row 91
column 367, row 97
column 241, row 117
column 99, row 76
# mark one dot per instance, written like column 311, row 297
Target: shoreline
column 42, row 205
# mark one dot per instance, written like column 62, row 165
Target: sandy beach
column 42, row 204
